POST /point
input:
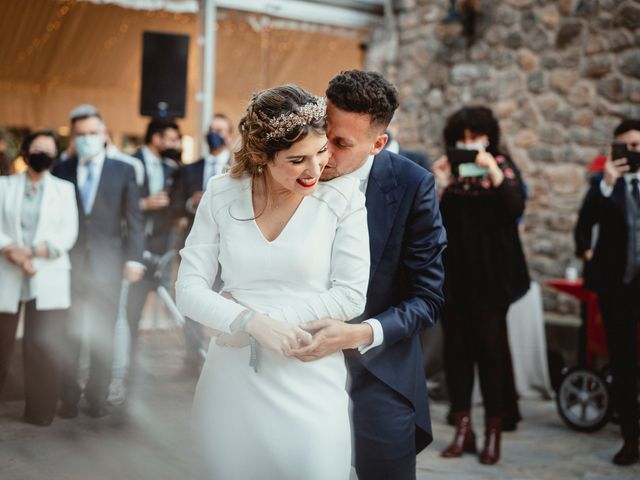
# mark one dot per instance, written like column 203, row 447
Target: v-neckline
column 255, row 223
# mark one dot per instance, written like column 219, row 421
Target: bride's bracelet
column 242, row 326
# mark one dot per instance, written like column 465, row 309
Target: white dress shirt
column 214, row 165
column 606, row 190
column 362, row 174
column 153, row 165
column 83, row 172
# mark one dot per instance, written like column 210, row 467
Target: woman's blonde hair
column 275, row 119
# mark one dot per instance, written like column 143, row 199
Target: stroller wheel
column 584, row 400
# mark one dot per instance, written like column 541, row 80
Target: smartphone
column 463, row 163
column 619, row 150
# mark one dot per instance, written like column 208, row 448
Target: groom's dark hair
column 358, row 91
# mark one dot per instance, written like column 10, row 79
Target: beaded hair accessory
column 307, row 114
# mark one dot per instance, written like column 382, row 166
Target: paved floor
column 155, row 445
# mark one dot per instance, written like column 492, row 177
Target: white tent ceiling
column 343, row 13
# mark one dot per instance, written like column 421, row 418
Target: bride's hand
column 277, row 336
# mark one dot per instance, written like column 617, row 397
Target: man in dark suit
column 109, row 247
column 193, row 182
column 383, row 351
column 612, row 270
column 196, row 175
column 160, row 206
column 393, row 145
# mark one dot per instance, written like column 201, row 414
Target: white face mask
column 477, row 145
column 89, row 146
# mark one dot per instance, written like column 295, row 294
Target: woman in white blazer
column 38, row 226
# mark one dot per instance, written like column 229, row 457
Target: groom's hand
column 331, row 336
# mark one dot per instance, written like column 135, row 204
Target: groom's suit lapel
column 383, row 199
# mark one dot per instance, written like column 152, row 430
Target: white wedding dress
column 290, row 419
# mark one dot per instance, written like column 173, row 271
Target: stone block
column 620, row 40
column 596, row 44
column 528, row 20
column 582, row 93
column 504, row 108
column 597, row 66
column 537, row 39
column 484, row 90
column 527, row 60
column 566, row 6
column 583, row 117
column 562, row 79
column 580, row 135
column 514, row 40
column 548, row 102
column 507, row 15
column 628, row 15
column 541, row 154
column 526, row 138
column 435, row 99
column 568, row 32
column 464, row 73
column 550, row 17
column 633, row 91
column 612, row 88
column 586, row 8
column 552, row 134
column 564, row 179
column 438, row 75
column 536, row 82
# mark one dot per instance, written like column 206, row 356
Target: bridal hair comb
column 307, row 114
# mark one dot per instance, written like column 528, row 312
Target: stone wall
column 558, row 74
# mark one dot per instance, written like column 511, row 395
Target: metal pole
column 208, row 69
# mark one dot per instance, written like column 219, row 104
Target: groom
column 382, row 348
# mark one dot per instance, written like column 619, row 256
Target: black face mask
column 40, row 162
column 172, row 153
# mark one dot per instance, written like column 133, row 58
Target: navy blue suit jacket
column 407, row 239
column 605, row 272
column 112, row 232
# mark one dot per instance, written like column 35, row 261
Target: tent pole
column 208, row 71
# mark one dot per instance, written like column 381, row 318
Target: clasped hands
column 21, row 257
column 310, row 341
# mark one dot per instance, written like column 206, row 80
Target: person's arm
column 5, row 239
column 505, row 178
column 134, row 268
column 588, row 216
column 350, row 261
column 198, row 269
column 425, row 241
column 64, row 238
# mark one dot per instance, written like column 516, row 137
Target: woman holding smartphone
column 485, row 272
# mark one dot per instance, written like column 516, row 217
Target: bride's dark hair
column 259, row 141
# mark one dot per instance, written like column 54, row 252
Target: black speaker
column 164, row 74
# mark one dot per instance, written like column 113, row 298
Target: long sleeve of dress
column 198, row 269
column 350, row 260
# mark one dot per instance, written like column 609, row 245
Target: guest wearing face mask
column 193, row 183
column 196, row 175
column 109, row 248
column 160, row 157
column 485, row 272
column 38, row 227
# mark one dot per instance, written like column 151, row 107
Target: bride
column 290, row 249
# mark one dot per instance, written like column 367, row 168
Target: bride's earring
column 259, row 169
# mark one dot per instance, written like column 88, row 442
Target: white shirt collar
column 149, row 156
column 221, row 159
column 98, row 160
column 363, row 172
column 630, row 176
